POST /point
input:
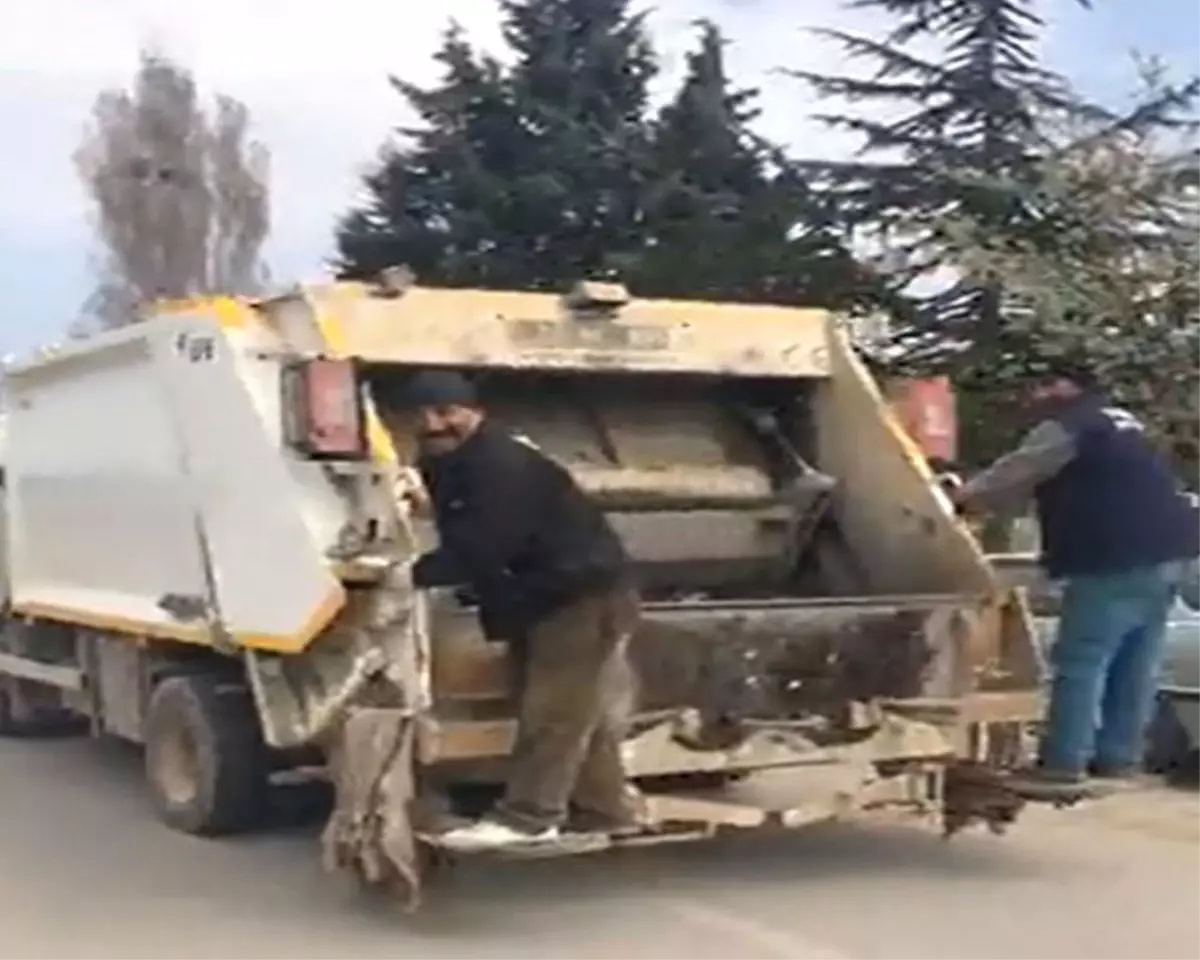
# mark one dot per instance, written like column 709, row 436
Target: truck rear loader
column 204, row 549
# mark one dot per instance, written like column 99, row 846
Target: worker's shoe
column 619, row 819
column 489, row 834
column 588, row 821
column 1041, row 782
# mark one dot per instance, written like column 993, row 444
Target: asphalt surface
column 88, row 873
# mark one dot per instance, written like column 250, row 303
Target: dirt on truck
column 204, row 535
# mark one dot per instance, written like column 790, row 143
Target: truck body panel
column 543, row 331
column 147, row 493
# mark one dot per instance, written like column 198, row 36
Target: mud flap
column 370, row 833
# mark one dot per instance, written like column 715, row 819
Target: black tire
column 1168, row 747
column 206, row 763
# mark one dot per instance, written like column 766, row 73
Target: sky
column 314, row 76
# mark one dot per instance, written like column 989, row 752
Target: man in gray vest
column 1115, row 527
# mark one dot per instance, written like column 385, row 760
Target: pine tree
column 528, row 177
column 439, row 200
column 971, row 121
column 580, row 82
column 726, row 216
column 1111, row 277
column 710, row 215
column 550, row 170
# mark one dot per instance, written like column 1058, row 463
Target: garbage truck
column 205, row 535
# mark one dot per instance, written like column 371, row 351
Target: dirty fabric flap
column 370, row 831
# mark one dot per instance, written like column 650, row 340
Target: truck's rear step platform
column 696, row 815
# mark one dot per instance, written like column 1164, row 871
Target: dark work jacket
column 517, row 530
column 1116, row 506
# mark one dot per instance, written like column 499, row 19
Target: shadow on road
column 77, row 828
column 96, row 791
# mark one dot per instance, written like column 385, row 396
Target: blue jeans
column 1105, row 664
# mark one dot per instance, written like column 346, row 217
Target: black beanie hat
column 440, row 388
column 1079, row 373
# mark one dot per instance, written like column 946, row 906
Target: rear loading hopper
column 811, row 603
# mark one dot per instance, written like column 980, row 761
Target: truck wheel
column 205, row 759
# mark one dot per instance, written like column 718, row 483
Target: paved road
column 86, row 873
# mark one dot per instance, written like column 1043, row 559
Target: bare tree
column 180, row 194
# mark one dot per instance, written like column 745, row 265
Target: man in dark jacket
column 1114, row 527
column 551, row 579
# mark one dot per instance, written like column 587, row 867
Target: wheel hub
column 176, row 766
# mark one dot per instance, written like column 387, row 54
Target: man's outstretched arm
column 1012, row 479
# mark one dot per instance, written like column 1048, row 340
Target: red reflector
column 335, row 417
column 926, row 408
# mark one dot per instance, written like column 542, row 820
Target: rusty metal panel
column 121, row 687
column 427, row 326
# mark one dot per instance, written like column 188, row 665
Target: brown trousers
column 570, row 674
